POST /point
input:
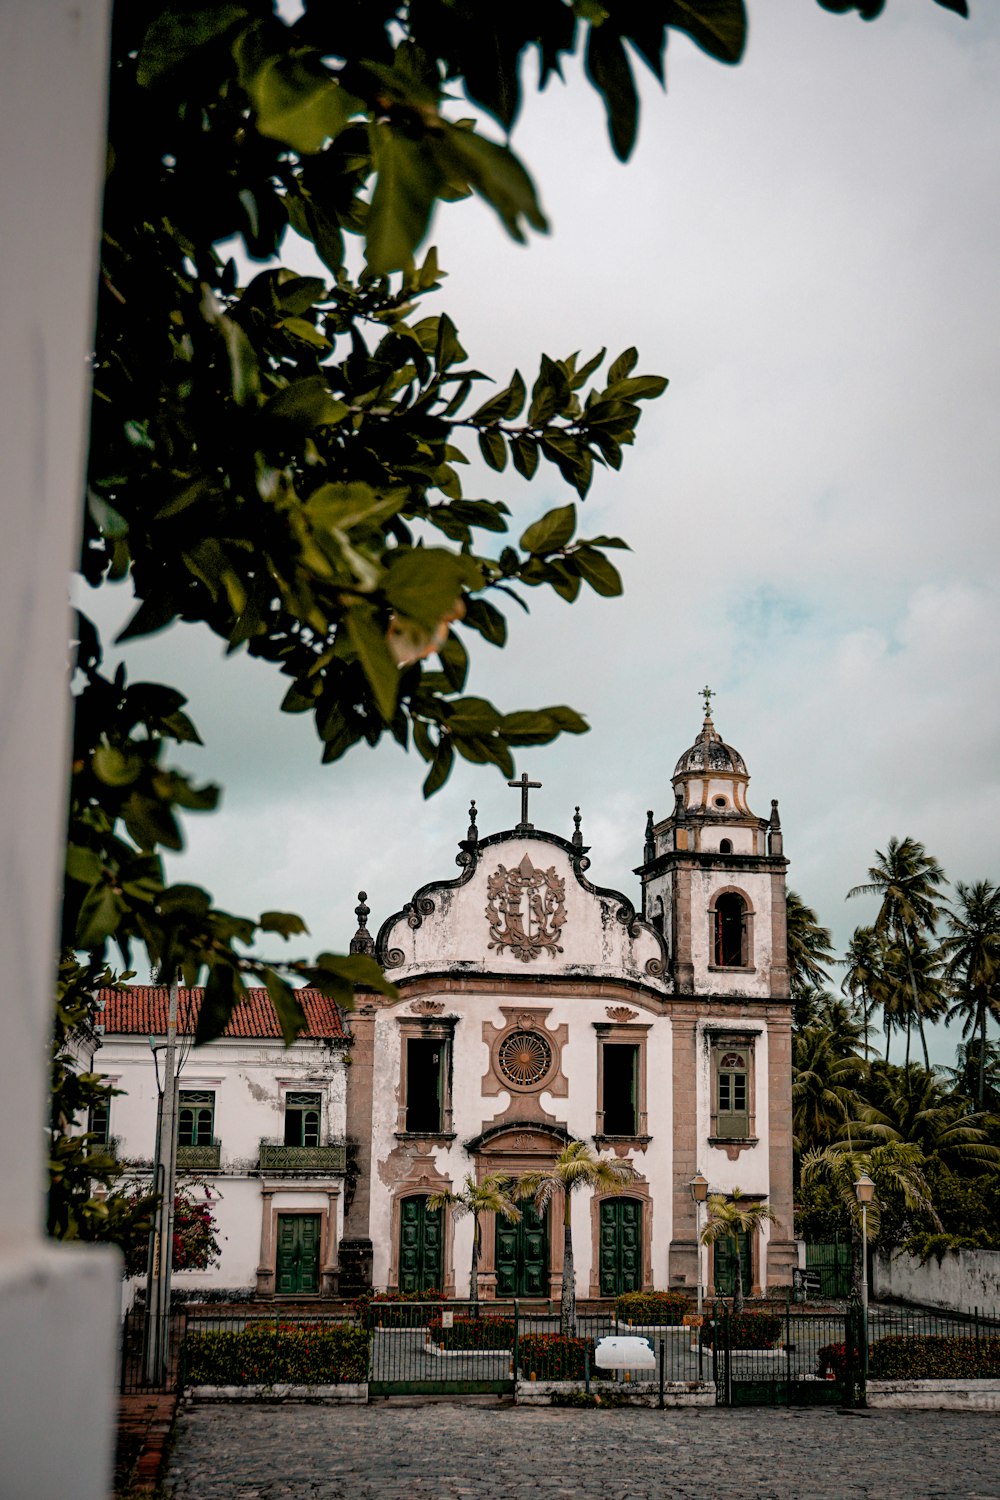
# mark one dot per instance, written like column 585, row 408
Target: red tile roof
column 141, row 1009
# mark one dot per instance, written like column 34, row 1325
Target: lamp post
column 699, row 1192
column 864, row 1190
column 156, row 1351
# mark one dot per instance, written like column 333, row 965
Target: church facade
column 534, row 1007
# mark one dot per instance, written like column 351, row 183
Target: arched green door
column 522, row 1255
column 725, row 1261
column 420, row 1236
column 621, row 1246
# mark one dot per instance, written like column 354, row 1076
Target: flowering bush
column 552, row 1356
column 195, row 1247
column 831, row 1361
column 293, row 1353
column 934, row 1357
column 395, row 1309
column 482, row 1332
column 652, row 1307
column 748, row 1330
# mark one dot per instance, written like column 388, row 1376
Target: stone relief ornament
column 620, row 1013
column 525, row 910
column 427, row 1007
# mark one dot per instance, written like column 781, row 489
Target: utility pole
column 161, row 1240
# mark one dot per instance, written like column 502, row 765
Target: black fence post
column 663, row 1368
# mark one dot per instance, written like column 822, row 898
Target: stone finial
column 472, row 837
column 649, row 850
column 577, row 835
column 362, row 941
column 679, row 807
column 775, row 820
column 775, row 842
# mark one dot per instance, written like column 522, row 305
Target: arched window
column 656, row 915
column 725, row 846
column 730, row 935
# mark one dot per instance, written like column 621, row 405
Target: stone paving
column 488, row 1450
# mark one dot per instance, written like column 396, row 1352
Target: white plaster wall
column 472, row 1111
column 457, row 932
column 757, row 887
column 743, row 840
column 965, row 1280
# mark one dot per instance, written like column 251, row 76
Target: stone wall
column 965, row 1280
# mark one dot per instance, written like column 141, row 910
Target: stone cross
column 524, row 785
column 708, row 695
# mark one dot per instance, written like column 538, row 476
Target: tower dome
column 710, row 779
column 710, row 753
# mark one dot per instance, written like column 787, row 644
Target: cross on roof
column 524, row 785
column 708, row 695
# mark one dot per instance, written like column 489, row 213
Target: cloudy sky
column 806, row 246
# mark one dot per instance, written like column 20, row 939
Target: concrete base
column 333, row 1395
column 675, row 1392
column 58, row 1377
column 934, row 1395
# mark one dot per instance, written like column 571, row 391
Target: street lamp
column 699, row 1192
column 864, row 1190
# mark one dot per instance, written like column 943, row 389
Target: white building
column 534, row 1007
column 261, row 1124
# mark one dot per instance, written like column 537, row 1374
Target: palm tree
column 809, row 949
column 824, row 1087
column 576, row 1166
column 863, row 961
column 913, row 1106
column 972, row 964
column 908, row 881
column 727, row 1220
column 898, row 1172
column 490, row 1196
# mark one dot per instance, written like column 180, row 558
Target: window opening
column 99, row 1121
column 424, row 1092
column 725, row 846
column 730, row 931
column 621, row 1074
column 733, row 1096
column 196, row 1117
column 302, row 1117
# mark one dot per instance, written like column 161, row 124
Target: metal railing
column 204, row 1157
column 275, row 1156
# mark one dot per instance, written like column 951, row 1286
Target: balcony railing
column 329, row 1160
column 202, row 1158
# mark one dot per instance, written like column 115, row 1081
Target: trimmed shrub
column 472, row 1332
column 748, row 1330
column 395, row 1309
column 652, row 1307
column 933, row 1357
column 552, row 1356
column 292, row 1353
column 831, row 1361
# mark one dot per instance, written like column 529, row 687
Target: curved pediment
column 523, row 906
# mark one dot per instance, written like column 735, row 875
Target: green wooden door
column 297, row 1269
column 725, row 1264
column 621, row 1246
column 420, row 1267
column 522, row 1255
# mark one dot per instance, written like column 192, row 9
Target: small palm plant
column 490, row 1196
column 576, row 1166
column 727, row 1220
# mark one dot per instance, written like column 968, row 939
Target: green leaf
column 342, row 507
column 454, row 661
column 408, row 182
column 495, row 173
column 623, row 365
column 524, row 451
column 441, row 765
column 602, row 575
column 306, row 331
column 152, row 615
column 719, row 27
column 549, row 393
column 287, row 1007
column 115, row 768
column 493, row 449
column 100, row 913
column 176, row 32
column 222, row 990
column 298, row 105
column 639, row 388
column 287, row 923
column 83, row 864
column 482, row 616
column 307, row 403
column 552, row 532
column 377, row 661
column 425, row 583
column 609, row 70
column 333, row 972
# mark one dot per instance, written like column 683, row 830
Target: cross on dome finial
column 708, row 695
column 524, row 785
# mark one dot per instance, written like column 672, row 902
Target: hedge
column 652, row 1307
column 831, row 1361
column 748, row 1330
column 293, row 1354
column 395, row 1309
column 933, row 1357
column 471, row 1332
column 552, row 1356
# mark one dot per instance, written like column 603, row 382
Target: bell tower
column 713, row 877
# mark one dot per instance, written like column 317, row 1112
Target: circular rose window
column 524, row 1057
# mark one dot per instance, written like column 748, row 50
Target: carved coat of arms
column 525, row 909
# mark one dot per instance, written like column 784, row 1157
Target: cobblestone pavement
column 493, row 1451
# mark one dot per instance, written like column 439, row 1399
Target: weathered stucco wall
column 965, row 1280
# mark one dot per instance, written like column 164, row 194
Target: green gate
column 766, row 1357
column 297, row 1266
column 725, row 1260
column 419, row 1246
column 831, row 1263
column 436, row 1349
column 621, row 1246
column 522, row 1255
